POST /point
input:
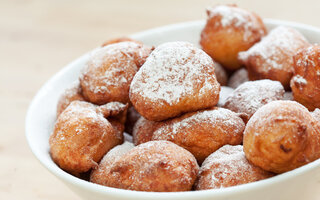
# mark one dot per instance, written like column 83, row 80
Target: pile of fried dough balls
column 241, row 109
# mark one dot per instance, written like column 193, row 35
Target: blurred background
column 38, row 38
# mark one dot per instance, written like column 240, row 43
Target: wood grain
column 38, row 38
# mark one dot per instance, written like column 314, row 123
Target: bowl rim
column 104, row 190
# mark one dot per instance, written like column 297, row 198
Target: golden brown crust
column 271, row 58
column 282, row 136
column 110, row 70
column 157, row 166
column 99, row 174
column 228, row 167
column 202, row 132
column 81, row 137
column 70, row 94
column 143, row 130
column 305, row 84
column 176, row 78
column 251, row 95
column 228, row 31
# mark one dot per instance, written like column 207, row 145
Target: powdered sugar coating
column 143, row 130
column 158, row 166
column 300, row 81
column 82, row 135
column 71, row 93
column 202, row 132
column 305, row 83
column 238, row 77
column 176, row 77
column 232, row 16
column 116, row 153
column 309, row 57
column 251, row 95
column 98, row 175
column 271, row 58
column 224, row 93
column 281, row 41
column 181, row 67
column 110, row 70
column 214, row 117
column 227, row 167
column 316, row 114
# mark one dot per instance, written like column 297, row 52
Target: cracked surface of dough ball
column 176, row 78
column 282, row 136
column 203, row 132
column 271, row 58
column 70, row 94
column 82, row 135
column 251, row 95
column 305, row 83
column 238, row 77
column 157, row 166
column 228, row 31
column 228, row 167
column 108, row 73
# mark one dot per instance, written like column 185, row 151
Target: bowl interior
column 42, row 111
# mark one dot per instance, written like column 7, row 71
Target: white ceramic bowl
column 300, row 183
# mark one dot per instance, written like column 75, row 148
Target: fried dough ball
column 238, row 77
column 176, row 78
column 143, row 130
column 271, row 58
column 157, row 166
column 305, row 84
column 70, row 94
column 132, row 117
column 82, row 135
column 228, row 31
column 203, row 132
column 116, row 114
column 228, row 167
column 98, row 175
column 221, row 74
column 117, row 40
column 282, row 136
column 110, row 70
column 251, row 95
column 224, row 93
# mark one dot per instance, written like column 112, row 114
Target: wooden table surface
column 38, row 38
